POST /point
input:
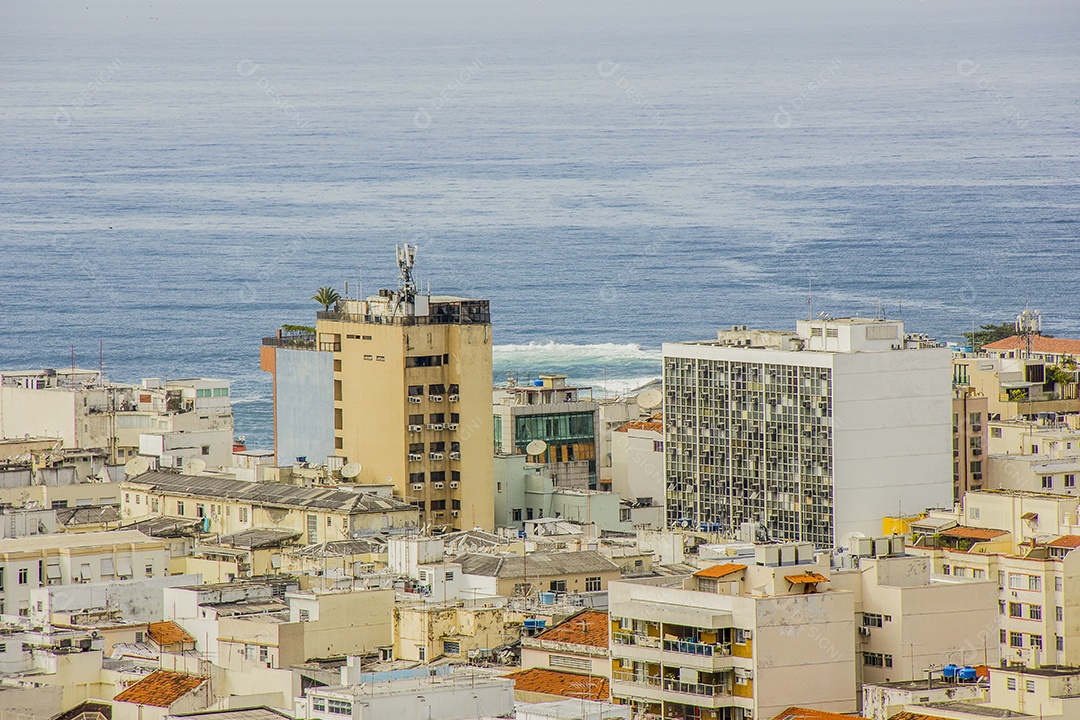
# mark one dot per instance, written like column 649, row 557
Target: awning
column 84, row 572
column 53, row 571
column 124, row 567
column 806, row 578
column 107, row 566
column 1029, row 516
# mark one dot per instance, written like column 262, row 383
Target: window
column 200, row 510
column 1036, row 641
column 995, row 432
column 1016, row 610
column 973, row 513
column 449, row 575
column 205, row 449
column 871, row 620
column 528, row 513
column 1016, row 581
column 264, row 654
column 1003, row 636
column 243, row 513
column 1059, row 614
column 1057, row 584
column 1029, row 686
column 3, row 647
column 318, row 704
column 1010, row 683
column 338, row 707
column 517, row 514
column 421, row 653
column 451, row 647
column 658, row 446
column 1047, row 482
column 438, row 504
column 154, row 504
column 149, row 569
column 312, row 529
column 877, row 660
column 1016, row 640
column 180, row 508
column 24, row 576
column 1001, row 607
column 975, row 419
column 592, row 584
column 1060, row 643
column 305, row 615
column 557, row 586
column 1070, row 480
column 1034, row 582
column 1034, row 612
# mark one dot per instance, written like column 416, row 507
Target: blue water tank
column 968, row 673
column 538, row 383
column 949, row 671
column 547, row 598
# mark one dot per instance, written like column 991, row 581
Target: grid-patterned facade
column 749, row 441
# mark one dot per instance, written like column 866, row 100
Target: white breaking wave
column 555, row 352
column 614, row 386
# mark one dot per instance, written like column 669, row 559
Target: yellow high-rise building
column 412, row 397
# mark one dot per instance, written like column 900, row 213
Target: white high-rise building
column 812, row 435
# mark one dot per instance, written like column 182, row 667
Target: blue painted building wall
column 305, row 405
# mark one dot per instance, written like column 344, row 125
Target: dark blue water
column 177, row 177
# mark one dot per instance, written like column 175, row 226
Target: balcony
column 623, row 638
column 635, row 679
column 700, row 689
column 695, row 648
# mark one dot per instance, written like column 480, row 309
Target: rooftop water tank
column 949, row 671
column 547, row 598
column 538, row 383
column 968, row 674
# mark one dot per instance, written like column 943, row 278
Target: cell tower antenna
column 1028, row 325
column 406, row 260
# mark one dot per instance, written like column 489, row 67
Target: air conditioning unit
column 418, row 486
column 864, row 631
column 438, row 486
column 415, row 399
column 416, row 428
column 453, row 485
column 454, row 513
column 415, row 457
column 437, row 426
column 451, row 426
column 440, row 514
column 435, row 456
column 455, row 398
column 455, row 456
column 435, row 398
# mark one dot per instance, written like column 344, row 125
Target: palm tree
column 326, row 296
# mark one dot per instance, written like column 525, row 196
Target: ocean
column 178, row 177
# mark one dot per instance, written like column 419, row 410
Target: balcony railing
column 696, row 648
column 702, row 689
column 635, row 678
column 621, row 638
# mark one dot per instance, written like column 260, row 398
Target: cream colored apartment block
column 412, row 401
column 736, row 641
column 424, row 633
column 909, row 618
column 65, row 559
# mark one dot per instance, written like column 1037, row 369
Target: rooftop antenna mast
column 1028, row 325
column 406, row 260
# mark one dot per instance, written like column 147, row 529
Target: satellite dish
column 650, row 399
column 136, row 466
column 194, row 466
column 351, row 470
column 536, row 447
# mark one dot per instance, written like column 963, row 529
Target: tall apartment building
column 412, row 397
column 813, row 435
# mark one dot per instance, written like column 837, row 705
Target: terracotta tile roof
column 719, row 571
column 1039, row 344
column 801, row 713
column 1065, row 541
column 587, row 628
column 553, row 682
column 806, row 578
column 169, row 633
column 642, row 425
column 160, row 689
column 970, row 533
